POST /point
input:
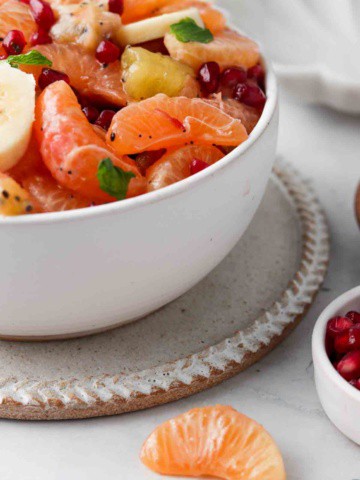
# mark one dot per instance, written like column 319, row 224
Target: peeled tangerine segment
column 156, row 27
column 213, row 441
column 14, row 200
column 163, row 122
column 17, row 105
column 175, row 164
column 145, row 74
column 228, row 48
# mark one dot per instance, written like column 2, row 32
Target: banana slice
column 156, row 27
column 17, row 106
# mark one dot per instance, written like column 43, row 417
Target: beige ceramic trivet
column 226, row 323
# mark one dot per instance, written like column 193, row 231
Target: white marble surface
column 279, row 391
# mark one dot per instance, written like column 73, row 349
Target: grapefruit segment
column 70, row 147
column 163, row 122
column 213, row 441
column 86, row 74
column 175, row 164
column 15, row 15
column 249, row 116
column 48, row 196
column 228, row 48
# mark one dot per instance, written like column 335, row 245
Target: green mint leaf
column 113, row 180
column 30, row 58
column 187, row 30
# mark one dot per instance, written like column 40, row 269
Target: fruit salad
column 103, row 100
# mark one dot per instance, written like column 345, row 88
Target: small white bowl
column 340, row 400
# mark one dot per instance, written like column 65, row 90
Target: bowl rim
column 171, row 190
column 319, row 354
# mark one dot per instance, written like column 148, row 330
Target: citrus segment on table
column 163, row 122
column 228, row 48
column 175, row 164
column 70, row 147
column 213, row 441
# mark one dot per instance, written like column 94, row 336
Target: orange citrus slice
column 213, row 441
column 70, row 147
column 163, row 122
column 227, row 49
column 175, row 164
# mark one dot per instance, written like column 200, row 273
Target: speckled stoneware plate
column 236, row 315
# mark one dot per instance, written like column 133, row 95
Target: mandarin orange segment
column 70, row 147
column 213, row 441
column 15, row 15
column 175, row 164
column 213, row 19
column 48, row 196
column 135, row 10
column 163, row 122
column 249, row 116
column 29, row 163
column 86, row 74
column 228, row 48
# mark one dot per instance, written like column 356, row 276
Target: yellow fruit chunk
column 146, row 74
column 14, row 200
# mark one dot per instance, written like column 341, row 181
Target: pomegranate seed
column 14, row 42
column 349, row 365
column 107, row 52
column 197, row 166
column 146, row 159
column 209, row 77
column 42, row 13
column 250, row 94
column 230, row 78
column 338, row 325
column 348, row 340
column 104, row 119
column 91, row 113
column 329, row 344
column 354, row 316
column 41, row 37
column 257, row 73
column 355, row 383
column 116, row 6
column 48, row 76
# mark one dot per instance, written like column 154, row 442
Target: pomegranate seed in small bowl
column 336, row 356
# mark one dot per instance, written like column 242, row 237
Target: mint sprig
column 30, row 58
column 187, row 30
column 113, row 180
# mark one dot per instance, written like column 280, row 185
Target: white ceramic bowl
column 75, row 272
column 340, row 400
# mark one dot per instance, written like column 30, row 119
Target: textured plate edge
column 110, row 395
